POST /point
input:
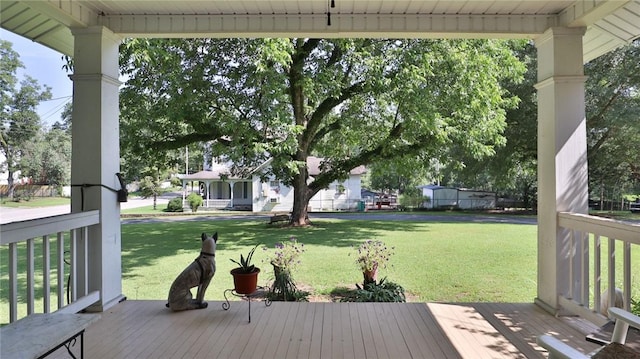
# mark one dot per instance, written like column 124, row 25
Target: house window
column 275, row 183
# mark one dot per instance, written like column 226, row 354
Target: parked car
column 634, row 207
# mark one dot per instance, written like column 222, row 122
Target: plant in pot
column 284, row 260
column 372, row 255
column 245, row 276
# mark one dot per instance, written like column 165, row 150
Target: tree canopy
column 613, row 121
column 19, row 121
column 350, row 101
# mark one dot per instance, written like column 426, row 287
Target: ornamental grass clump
column 284, row 259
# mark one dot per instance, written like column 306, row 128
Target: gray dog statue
column 197, row 274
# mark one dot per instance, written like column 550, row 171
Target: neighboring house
column 221, row 190
column 462, row 198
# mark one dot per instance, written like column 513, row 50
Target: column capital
column 554, row 32
column 101, row 31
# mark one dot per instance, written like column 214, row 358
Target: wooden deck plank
column 370, row 351
column 356, row 331
column 394, row 342
column 145, row 329
column 417, row 346
column 347, row 343
column 325, row 334
column 440, row 345
column 244, row 341
column 378, row 337
column 336, row 325
column 287, row 334
column 471, row 334
column 211, row 337
column 268, row 333
column 304, row 349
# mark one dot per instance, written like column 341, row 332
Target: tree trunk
column 10, row 184
column 155, row 201
column 300, row 199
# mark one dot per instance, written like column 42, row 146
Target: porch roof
column 609, row 23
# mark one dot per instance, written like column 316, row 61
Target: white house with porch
column 567, row 33
column 220, row 190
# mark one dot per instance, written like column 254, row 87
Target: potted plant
column 284, row 259
column 371, row 256
column 245, row 276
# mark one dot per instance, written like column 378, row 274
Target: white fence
column 592, row 234
column 23, row 238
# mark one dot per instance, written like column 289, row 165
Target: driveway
column 10, row 214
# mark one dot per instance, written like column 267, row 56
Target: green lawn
column 36, row 202
column 433, row 261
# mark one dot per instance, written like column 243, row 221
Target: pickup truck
column 634, row 207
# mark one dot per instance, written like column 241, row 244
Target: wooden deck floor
column 146, row 329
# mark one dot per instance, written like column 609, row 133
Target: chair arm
column 558, row 349
column 624, row 319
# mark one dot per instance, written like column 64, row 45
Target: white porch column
column 231, row 184
column 562, row 160
column 96, row 155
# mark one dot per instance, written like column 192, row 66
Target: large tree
column 19, row 121
column 513, row 170
column 350, row 101
column 613, row 121
column 47, row 158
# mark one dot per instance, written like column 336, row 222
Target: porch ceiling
column 609, row 23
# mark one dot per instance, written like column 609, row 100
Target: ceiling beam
column 342, row 25
column 68, row 13
column 585, row 13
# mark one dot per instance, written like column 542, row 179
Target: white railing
column 24, row 236
column 211, row 203
column 590, row 234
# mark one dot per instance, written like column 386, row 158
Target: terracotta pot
column 245, row 283
column 370, row 276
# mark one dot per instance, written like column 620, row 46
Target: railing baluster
column 572, row 251
column 30, row 277
column 46, row 280
column 85, row 261
column 73, row 249
column 60, row 270
column 13, row 282
column 597, row 275
column 584, row 271
column 611, row 285
column 627, row 274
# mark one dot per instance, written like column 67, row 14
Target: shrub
column 379, row 292
column 195, row 201
column 413, row 198
column 175, row 181
column 635, row 306
column 175, row 205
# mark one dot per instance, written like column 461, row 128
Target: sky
column 44, row 65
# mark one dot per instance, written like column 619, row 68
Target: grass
column 433, row 261
column 36, row 202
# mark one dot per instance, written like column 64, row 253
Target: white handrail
column 585, row 230
column 13, row 235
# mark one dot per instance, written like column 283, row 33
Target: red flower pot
column 245, row 283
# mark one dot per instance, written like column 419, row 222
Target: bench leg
column 71, row 342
